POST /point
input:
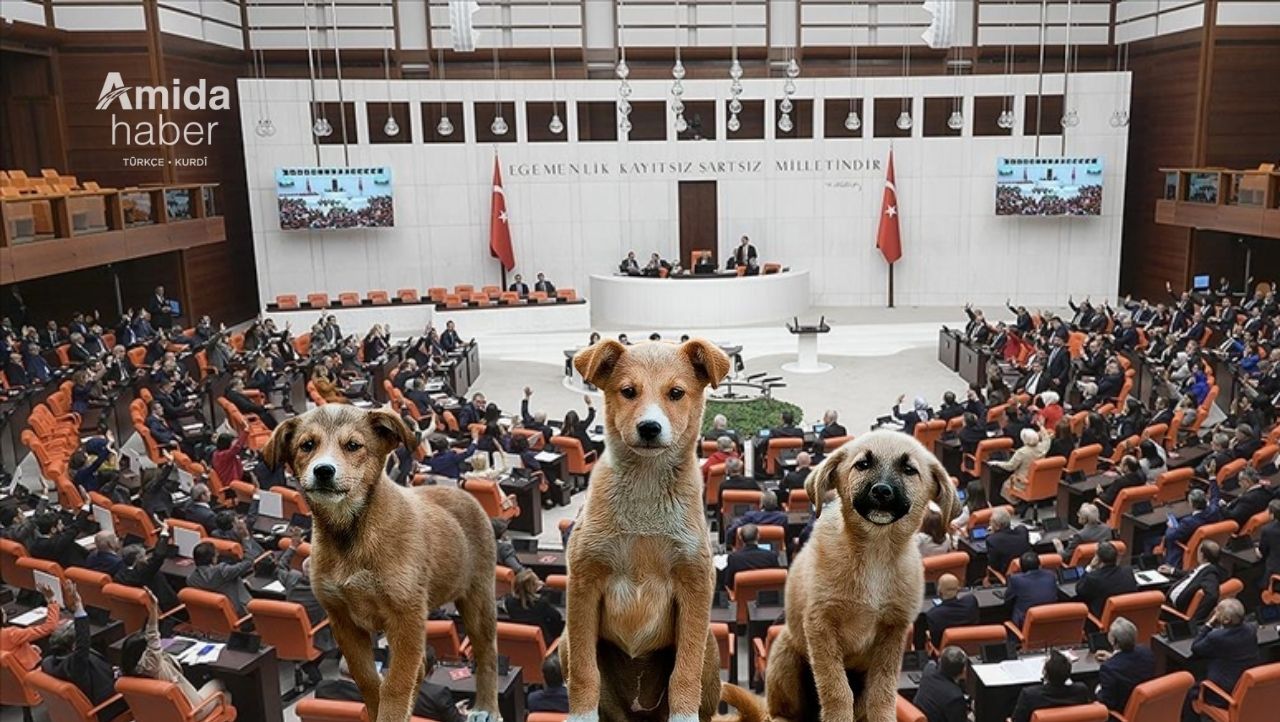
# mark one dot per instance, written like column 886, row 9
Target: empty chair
column 285, row 626
column 14, row 690
column 566, row 295
column 1125, row 501
column 524, row 646
column 577, row 463
column 348, row 298
column 10, row 573
column 442, row 637
column 153, row 699
column 1051, row 625
column 776, row 447
column 1083, row 461
column 972, row 637
column 332, row 710
column 974, row 464
column 1157, row 700
column 210, row 613
column 407, row 295
column 1141, row 608
column 1173, row 485
column 1219, row 532
column 379, row 298
column 287, row 301
column 90, row 585
column 955, row 563
column 1257, row 691
column 760, row 651
column 747, row 585
column 318, row 300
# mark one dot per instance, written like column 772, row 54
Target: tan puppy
column 383, row 555
column 855, row 588
column 640, row 572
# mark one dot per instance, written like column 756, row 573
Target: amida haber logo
column 159, row 98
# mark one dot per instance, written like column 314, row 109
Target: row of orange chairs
column 462, row 295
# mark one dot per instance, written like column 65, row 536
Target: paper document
column 186, row 541
column 45, row 579
column 275, row 587
column 26, row 619
column 546, row 457
column 270, row 504
column 102, row 516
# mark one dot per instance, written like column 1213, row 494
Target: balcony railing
column 1233, row 201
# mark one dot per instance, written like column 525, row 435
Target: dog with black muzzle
column 855, row 589
column 383, row 556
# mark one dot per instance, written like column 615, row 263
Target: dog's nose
column 882, row 493
column 323, row 473
column 649, row 430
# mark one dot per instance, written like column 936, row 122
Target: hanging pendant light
column 1120, row 118
column 735, row 73
column 445, row 126
column 499, row 125
column 956, row 121
column 733, row 124
column 677, row 75
column 793, row 68
column 786, row 105
column 784, row 123
column 735, row 106
column 852, row 122
column 1070, row 118
column 623, row 71
column 904, row 121
column 555, row 125
column 390, row 128
column 320, row 127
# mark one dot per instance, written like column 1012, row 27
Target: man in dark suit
column 1030, row 587
column 1005, row 543
column 547, row 287
column 519, row 286
column 52, row 337
column 142, row 569
column 745, row 256
column 1126, row 666
column 1229, row 645
column 432, row 701
column 1104, row 579
column 226, row 579
column 1254, row 496
column 720, row 427
column 1056, row 690
column 733, row 478
column 76, row 350
column 630, row 265
column 554, row 696
column 450, row 341
column 1058, row 365
column 1206, row 577
column 941, row 694
column 416, row 391
column 1269, row 543
column 795, row 478
column 161, row 312
column 162, row 432
column 120, row 370
column 750, row 556
column 239, row 399
column 831, row 426
column 952, row 610
column 73, row 659
column 56, row 542
column 537, row 421
column 198, row 509
column 1204, row 510
column 1036, row 381
column 767, row 515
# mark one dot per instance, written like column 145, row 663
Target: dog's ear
column 823, row 478
column 391, row 429
column 708, row 361
column 594, row 363
column 944, row 492
column 279, row 448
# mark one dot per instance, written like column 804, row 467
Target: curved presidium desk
column 698, row 301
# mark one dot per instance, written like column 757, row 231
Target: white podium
column 807, row 348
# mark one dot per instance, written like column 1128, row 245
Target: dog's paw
column 683, row 718
column 479, row 715
column 592, row 716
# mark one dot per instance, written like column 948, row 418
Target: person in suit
column 1057, row 690
column 831, row 426
column 105, row 556
column 1058, row 365
column 950, row 408
column 525, row 605
column 1104, row 579
column 1127, row 665
column 786, row 430
column 547, row 287
column 141, row 568
column 767, row 515
column 920, row 412
column 475, row 412
column 941, row 694
column 235, row 393
column 977, row 331
column 1030, row 587
column 76, row 350
column 733, row 478
column 519, row 286
column 15, row 371
column 536, row 421
column 506, row 551
column 554, row 696
column 579, row 428
column 1269, row 543
column 1130, row 475
column 56, row 541
column 1091, row 531
column 20, row 641
column 720, row 427
column 750, row 556
column 450, row 341
column 221, row 577
column 160, row 310
column 1035, row 381
column 1229, row 646
column 952, row 609
column 73, row 659
column 1206, row 577
column 745, row 256
column 51, row 336
column 433, row 701
column 630, row 266
column 119, row 369
column 795, row 478
column 162, row 431
column 1005, row 543
column 1255, row 494
column 37, row 369
column 1219, row 456
column 1204, row 510
column 198, row 509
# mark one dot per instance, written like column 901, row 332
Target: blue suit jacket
column 1028, row 589
column 1119, row 675
column 1229, row 650
column 1187, row 526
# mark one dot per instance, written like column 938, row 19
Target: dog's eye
column 353, row 446
column 909, row 469
column 675, row 394
column 307, row 446
column 862, row 464
column 628, row 392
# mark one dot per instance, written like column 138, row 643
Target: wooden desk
column 972, row 364
column 948, row 451
column 1131, row 526
column 948, row 349
column 1072, row 494
column 1188, row 456
column 544, row 562
column 1174, row 656
column 510, row 689
column 529, row 497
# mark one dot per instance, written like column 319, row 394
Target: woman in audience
column 997, row 390
column 324, row 385
column 143, row 656
column 20, row 641
column 1096, row 432
column 725, row 450
column 1133, row 421
column 1034, row 446
column 576, row 428
column 933, row 538
column 1131, row 474
column 376, row 343
column 972, row 433
column 525, row 605
column 1064, row 441
column 1049, row 408
column 975, row 499
column 1153, row 459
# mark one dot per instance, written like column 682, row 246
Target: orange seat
column 747, row 585
column 379, row 298
column 1093, row 712
column 1052, row 561
column 32, row 565
column 1047, row 625
column 1263, row 455
column 1173, row 485
column 760, row 650
column 1084, row 553
column 567, row 295
column 504, row 580
column 453, row 300
column 904, row 711
column 304, row 551
column 1141, row 608
column 90, row 585
column 972, row 637
column 524, row 646
column 1254, row 524
column 711, row 489
column 132, row 521
column 495, row 503
column 736, row 502
column 318, row 300
column 558, row 581
column 287, row 301
column 1042, row 481
column 771, row 534
column 152, row 699
column 798, row 500
column 442, row 637
column 1227, row 590
column 955, row 563
column 491, row 291
column 1257, row 691
column 576, row 462
column 929, row 432
column 131, row 605
column 1157, row 700
column 348, row 298
column 65, row 701
column 1083, row 461
column 285, row 626
column 1219, row 532
column 462, row 288
column 14, row 690
column 408, row 295
column 210, row 613
column 332, row 710
column 10, row 573
column 727, row 643
column 982, row 517
column 546, row 717
column 973, row 464
column 831, row 443
column 437, row 294
column 510, row 298
column 776, row 447
column 1125, row 501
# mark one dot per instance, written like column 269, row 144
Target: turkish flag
column 889, row 237
column 499, row 223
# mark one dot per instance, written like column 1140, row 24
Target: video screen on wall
column 334, row 198
column 1049, row 186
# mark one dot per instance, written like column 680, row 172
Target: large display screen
column 334, row 198
column 1048, row 186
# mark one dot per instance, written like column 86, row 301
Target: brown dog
column 855, row 588
column 382, row 555
column 640, row 572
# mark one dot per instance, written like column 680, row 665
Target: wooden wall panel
column 1243, row 125
column 29, row 137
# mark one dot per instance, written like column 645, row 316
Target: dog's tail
column 749, row 706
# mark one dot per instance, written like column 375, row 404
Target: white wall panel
column 27, row 11
column 820, row 218
column 1249, row 12
column 93, row 17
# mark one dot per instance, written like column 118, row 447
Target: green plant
column 748, row 417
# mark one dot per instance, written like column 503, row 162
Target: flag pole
column 890, row 285
column 502, row 267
